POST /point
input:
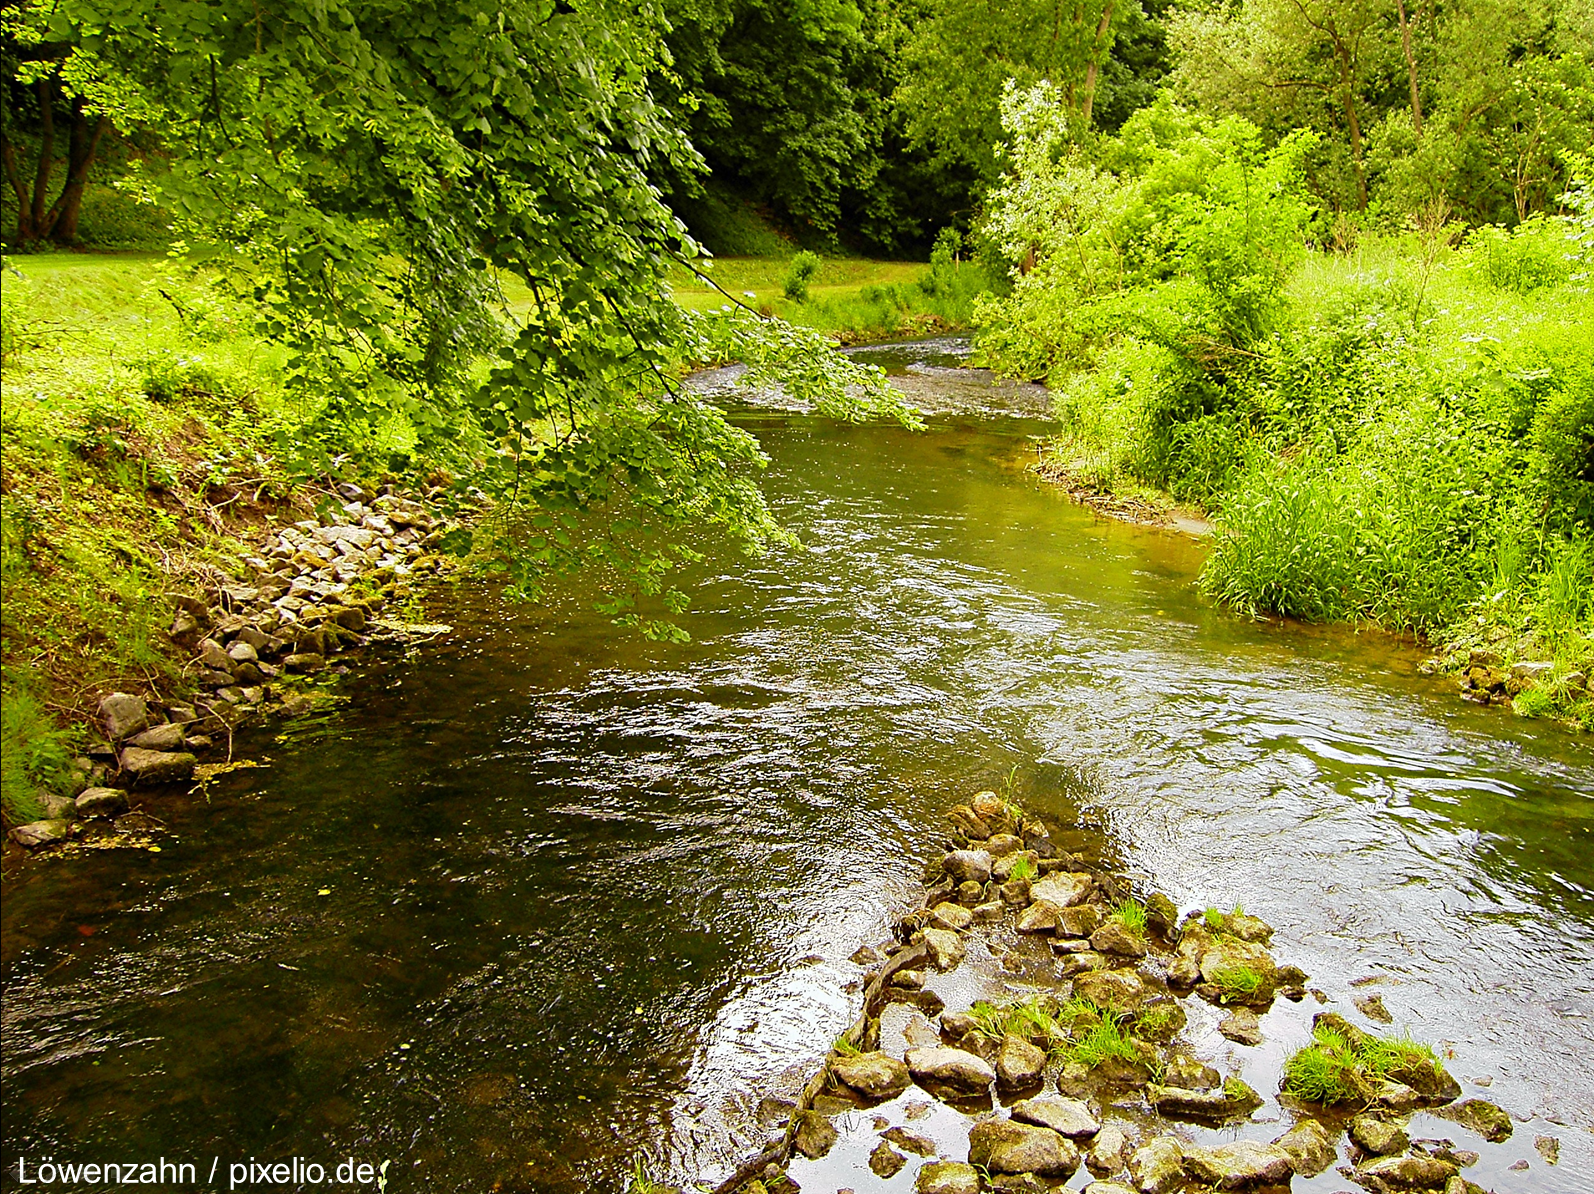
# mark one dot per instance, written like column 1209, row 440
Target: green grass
column 845, row 1048
column 35, row 753
column 1237, row 982
column 1103, row 1041
column 1132, row 915
column 1214, row 919
column 853, row 297
column 1023, row 868
column 1332, row 1071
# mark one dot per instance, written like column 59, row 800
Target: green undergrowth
column 1333, row 1070
column 1400, row 432
column 137, row 444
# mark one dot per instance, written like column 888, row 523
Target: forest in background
column 1321, row 269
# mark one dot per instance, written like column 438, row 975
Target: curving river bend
column 589, row 895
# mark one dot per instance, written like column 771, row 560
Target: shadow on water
column 586, row 894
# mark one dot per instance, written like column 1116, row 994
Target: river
column 588, row 898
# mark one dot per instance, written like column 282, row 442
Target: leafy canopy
column 374, row 174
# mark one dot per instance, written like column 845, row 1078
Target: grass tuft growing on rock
column 1132, row 915
column 1237, row 982
column 1334, row 1070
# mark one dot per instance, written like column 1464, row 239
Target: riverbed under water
column 590, row 898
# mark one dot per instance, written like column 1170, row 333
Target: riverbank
column 1409, row 446
column 1036, row 1014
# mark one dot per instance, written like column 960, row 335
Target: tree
column 962, row 56
column 47, row 86
column 367, row 170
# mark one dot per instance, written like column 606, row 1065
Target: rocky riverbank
column 256, row 644
column 1072, row 1045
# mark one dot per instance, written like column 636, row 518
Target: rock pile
column 312, row 591
column 1037, row 1078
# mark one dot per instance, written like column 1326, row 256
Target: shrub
column 804, row 265
column 34, row 756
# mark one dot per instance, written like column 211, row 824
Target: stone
column 1063, row 888
column 1227, row 954
column 1233, row 1098
column 886, row 1161
column 908, row 980
column 35, row 834
column 350, row 617
column 947, row 1177
column 864, row 955
column 1000, row 844
column 58, row 806
column 1248, row 928
column 1158, row 1165
column 1115, row 938
column 214, row 656
column 1410, row 1172
column 946, row 948
column 953, row 917
column 1066, row 1117
column 1079, row 921
column 305, row 662
column 970, row 893
column 1241, row 1027
column 1481, row 1116
column 1161, row 915
column 1107, row 1151
column 910, row 1142
column 1532, row 672
column 1396, row 1096
column 1003, row 866
column 157, row 766
column 1119, row 990
column 968, row 866
column 1107, row 1188
column 1372, row 1006
column 876, row 1076
column 1015, row 893
column 182, row 714
column 101, row 802
column 1239, row 1165
column 956, row 1072
column 184, row 625
column 1005, row 1146
column 123, row 715
column 815, row 1135
column 1019, row 1064
column 1040, row 917
column 254, row 637
column 959, row 1024
column 988, row 913
column 969, row 823
column 990, row 808
column 1549, row 1148
column 1378, row 1137
column 248, row 674
column 1078, row 962
column 1187, row 1073
column 1309, row 1147
column 162, row 737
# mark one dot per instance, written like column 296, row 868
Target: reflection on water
column 589, row 893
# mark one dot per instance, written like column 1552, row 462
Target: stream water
column 539, row 898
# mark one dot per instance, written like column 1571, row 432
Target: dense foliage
column 369, row 175
column 1404, row 433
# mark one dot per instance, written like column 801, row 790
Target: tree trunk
column 25, row 228
column 1352, row 120
column 61, row 224
column 1411, row 68
column 1094, row 65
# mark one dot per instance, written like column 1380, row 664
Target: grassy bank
column 847, row 297
column 137, row 461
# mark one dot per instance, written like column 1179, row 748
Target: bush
column 34, row 755
column 804, row 265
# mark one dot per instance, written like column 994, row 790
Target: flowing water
column 539, row 898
